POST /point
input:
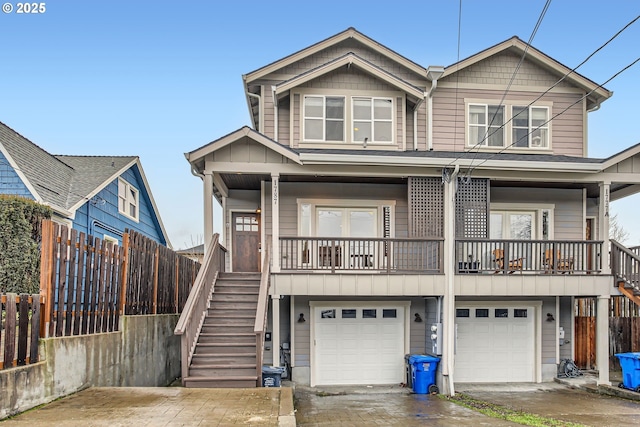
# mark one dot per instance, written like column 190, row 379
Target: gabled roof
column 349, row 33
column 66, row 182
column 199, row 153
column 599, row 93
column 355, row 60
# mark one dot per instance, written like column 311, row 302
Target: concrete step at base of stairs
column 222, row 370
column 221, row 382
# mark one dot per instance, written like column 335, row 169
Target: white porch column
column 275, row 222
column 208, row 209
column 275, row 329
column 602, row 339
column 449, row 300
column 603, row 229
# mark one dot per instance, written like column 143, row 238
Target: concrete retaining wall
column 143, row 353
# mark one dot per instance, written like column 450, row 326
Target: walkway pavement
column 168, row 406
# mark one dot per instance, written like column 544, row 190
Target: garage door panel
column 360, row 350
column 495, row 349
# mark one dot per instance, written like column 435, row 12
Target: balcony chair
column 562, row 264
column 514, row 264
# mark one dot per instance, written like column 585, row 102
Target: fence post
column 177, row 292
column 124, row 271
column 46, row 264
column 155, row 280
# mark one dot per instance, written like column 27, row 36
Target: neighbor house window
column 486, row 125
column 372, row 119
column 530, row 127
column 128, row 199
column 324, row 118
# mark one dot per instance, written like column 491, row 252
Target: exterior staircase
column 225, row 352
column 625, row 267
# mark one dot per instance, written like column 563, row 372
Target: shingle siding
column 10, row 182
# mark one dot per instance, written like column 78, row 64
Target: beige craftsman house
column 390, row 209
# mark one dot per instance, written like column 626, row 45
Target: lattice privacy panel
column 472, row 208
column 426, row 207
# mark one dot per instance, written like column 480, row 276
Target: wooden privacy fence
column 624, row 330
column 87, row 283
column 19, row 329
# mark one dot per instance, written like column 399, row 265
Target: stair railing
column 261, row 313
column 625, row 265
column 195, row 308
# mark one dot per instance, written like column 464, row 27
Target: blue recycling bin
column 271, row 376
column 630, row 363
column 423, row 373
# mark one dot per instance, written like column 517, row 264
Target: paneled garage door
column 359, row 344
column 495, row 344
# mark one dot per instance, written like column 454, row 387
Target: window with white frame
column 486, row 125
column 530, row 127
column 324, row 118
column 506, row 126
column 128, row 199
column 372, row 119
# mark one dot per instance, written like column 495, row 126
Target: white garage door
column 495, row 344
column 358, row 344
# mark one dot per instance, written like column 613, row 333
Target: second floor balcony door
column 514, row 225
column 351, row 223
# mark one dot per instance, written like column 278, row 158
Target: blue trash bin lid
column 272, row 370
column 422, row 358
column 634, row 355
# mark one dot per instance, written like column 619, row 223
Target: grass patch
column 501, row 412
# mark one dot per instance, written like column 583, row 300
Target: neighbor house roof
column 66, row 182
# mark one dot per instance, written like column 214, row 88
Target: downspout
column 433, row 74
column 275, row 113
column 251, row 95
column 415, row 123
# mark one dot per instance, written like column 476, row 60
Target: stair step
column 222, row 348
column 236, row 290
column 228, row 358
column 211, row 338
column 233, row 297
column 239, row 276
column 212, row 328
column 222, row 371
column 240, row 381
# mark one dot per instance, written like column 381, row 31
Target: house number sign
column 275, row 192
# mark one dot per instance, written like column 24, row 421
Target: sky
column 157, row 79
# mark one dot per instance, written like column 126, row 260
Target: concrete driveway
column 394, row 406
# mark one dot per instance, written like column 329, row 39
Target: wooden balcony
column 368, row 255
column 425, row 256
column 528, row 256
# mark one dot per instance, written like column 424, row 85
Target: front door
column 246, row 242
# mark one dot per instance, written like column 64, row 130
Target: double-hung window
column 486, row 125
column 128, row 199
column 372, row 119
column 324, row 118
column 530, row 127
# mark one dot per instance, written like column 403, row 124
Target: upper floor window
column 505, row 126
column 372, row 119
column 128, row 199
column 324, row 118
column 530, row 127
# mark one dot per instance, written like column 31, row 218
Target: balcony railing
column 361, row 255
column 528, row 256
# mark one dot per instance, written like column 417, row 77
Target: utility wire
column 555, row 116
column 513, row 76
column 555, row 84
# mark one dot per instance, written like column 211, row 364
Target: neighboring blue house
column 98, row 195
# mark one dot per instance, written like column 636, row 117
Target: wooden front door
column 246, row 242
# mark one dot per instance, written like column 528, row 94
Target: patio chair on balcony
column 329, row 256
column 560, row 263
column 513, row 264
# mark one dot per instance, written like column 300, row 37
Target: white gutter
column 321, row 158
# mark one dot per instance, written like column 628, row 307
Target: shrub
column 20, row 236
